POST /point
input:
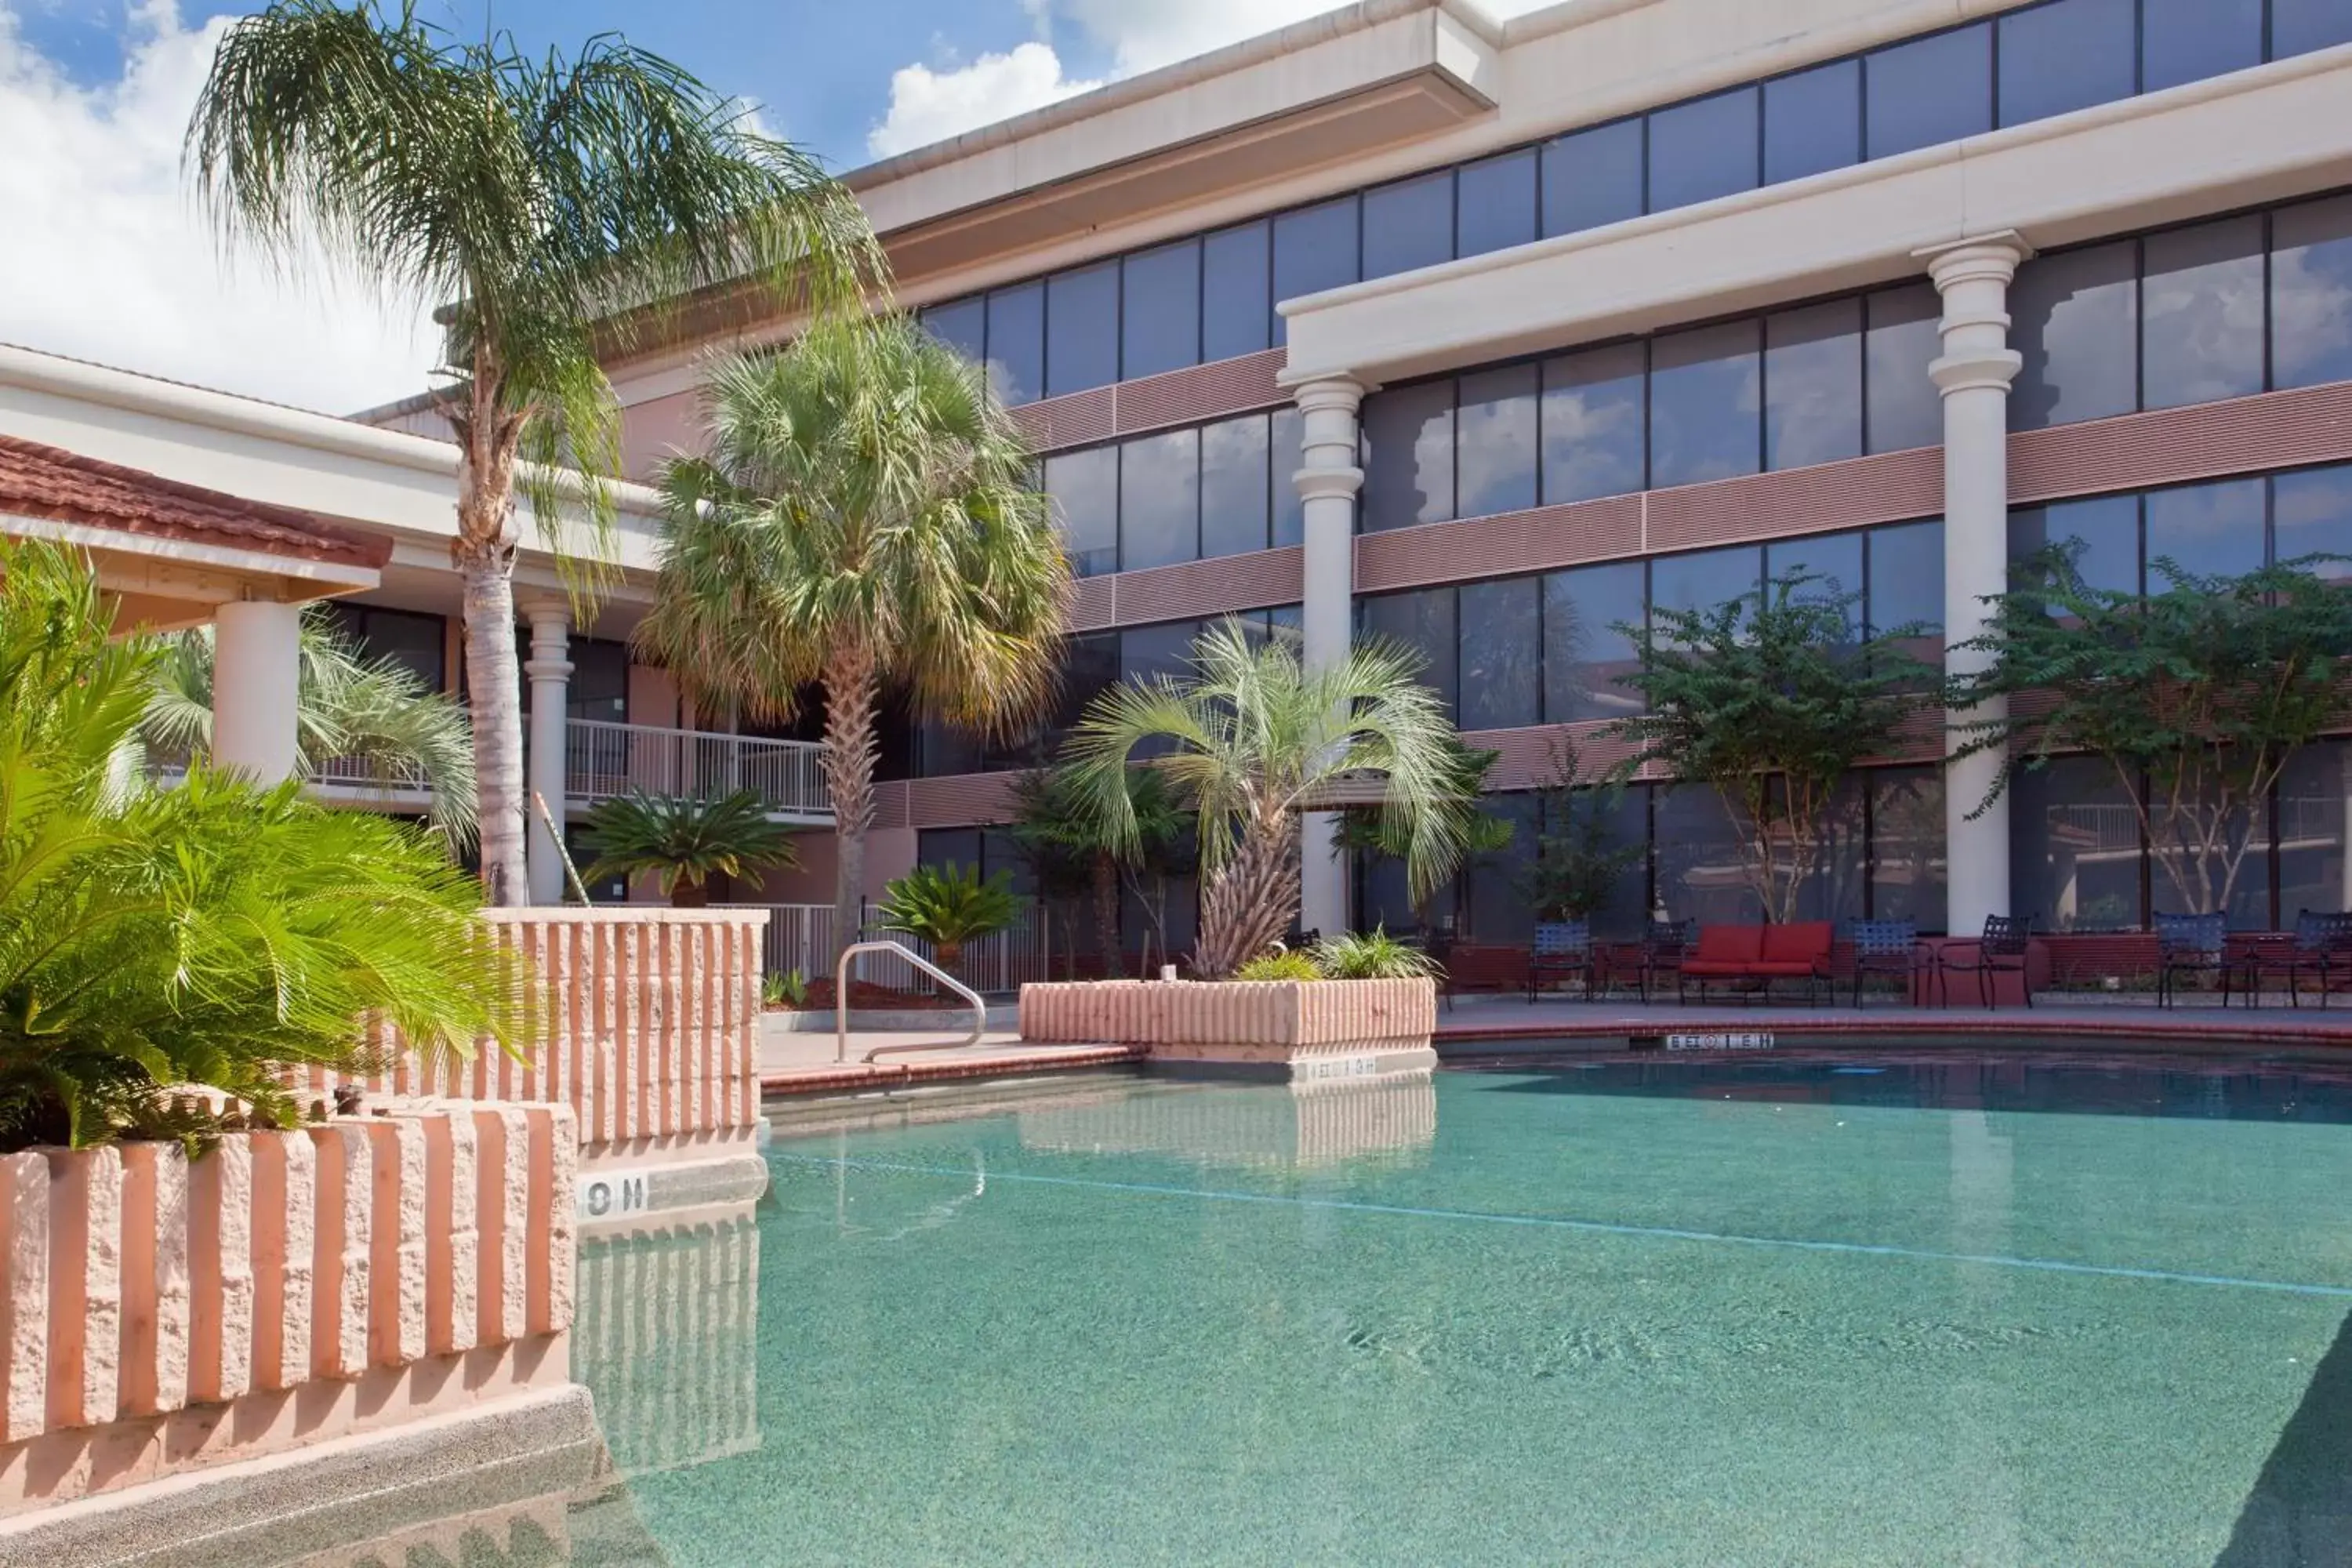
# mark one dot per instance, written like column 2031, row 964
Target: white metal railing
column 366, row 773
column 800, row 937
column 603, row 759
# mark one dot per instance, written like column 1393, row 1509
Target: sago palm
column 949, row 907
column 682, row 844
column 1259, row 740
column 865, row 520
column 374, row 712
column 558, row 212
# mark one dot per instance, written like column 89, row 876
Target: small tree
column 949, row 907
column 1070, row 855
column 1366, row 829
column 1773, row 699
column 682, row 844
column 2197, row 696
column 1575, row 866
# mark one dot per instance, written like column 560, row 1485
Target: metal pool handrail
column 841, row 1001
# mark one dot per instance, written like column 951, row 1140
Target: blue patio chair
column 2321, row 947
column 1562, row 948
column 2190, row 944
column 1885, row 947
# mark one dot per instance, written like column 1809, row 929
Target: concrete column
column 1974, row 376
column 1328, row 483
column 256, row 684
column 549, row 669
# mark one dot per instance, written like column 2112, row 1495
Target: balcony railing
column 603, row 759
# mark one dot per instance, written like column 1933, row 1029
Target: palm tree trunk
column 1106, row 869
column 484, row 552
column 851, row 685
column 1250, row 901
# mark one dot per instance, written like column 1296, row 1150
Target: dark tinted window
column 1233, row 486
column 2299, row 27
column 1704, row 150
column 1236, row 310
column 1083, row 487
column 2057, row 812
column 1422, row 623
column 1501, row 654
column 2104, row 528
column 1016, row 343
column 1593, row 415
column 961, row 324
column 2208, row 531
column 2069, row 54
column 1705, row 414
column 1495, row 468
column 940, row 847
column 1314, row 249
column 1834, row 559
column 1082, row 329
column 1584, row 654
column 2075, row 319
column 2188, row 40
column 2311, row 515
column 1903, row 338
column 2202, row 313
column 2311, row 293
column 1812, row 384
column 1409, row 456
column 1495, row 204
column 1409, row 224
column 1494, row 882
column 1907, row 577
column 1160, row 316
column 1930, row 90
column 415, row 641
column 1706, row 580
column 1289, row 512
column 1159, row 501
column 1592, row 177
column 599, row 687
column 1812, row 122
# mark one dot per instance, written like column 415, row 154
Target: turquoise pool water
column 1855, row 1309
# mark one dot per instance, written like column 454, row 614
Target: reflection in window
column 1592, row 177
column 1705, row 415
column 1812, row 122
column 1832, row 887
column 1908, row 863
column 1160, row 316
column 1501, row 650
column 2312, row 871
column 2202, row 313
column 1704, row 579
column 1289, row 455
column 1409, row 456
column 2185, row 876
column 1704, row 150
column 1930, row 90
column 1812, row 384
column 2073, row 847
column 1082, row 349
column 1903, row 338
column 2076, row 318
column 1499, row 910
column 1495, row 432
column 1594, row 407
column 1584, row 653
column 1702, row 861
column 1495, row 204
column 1016, row 343
column 962, row 325
column 2068, row 55
column 2311, row 515
column 2188, row 40
column 1408, row 224
column 2208, row 531
column 1314, row 249
column 1421, row 623
column 2311, row 293
column 2106, row 529
column 1236, row 309
column 1906, row 580
column 1233, row 489
column 2299, row 27
column 1835, row 558
column 1159, row 501
column 1084, row 488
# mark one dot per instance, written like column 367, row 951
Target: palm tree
column 558, row 212
column 374, row 712
column 1069, row 853
column 865, row 519
column 682, row 844
column 1258, row 740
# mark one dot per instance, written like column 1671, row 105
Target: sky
column 103, row 257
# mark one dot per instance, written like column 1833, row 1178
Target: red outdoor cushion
column 1803, row 944
column 1733, row 946
column 1779, row 969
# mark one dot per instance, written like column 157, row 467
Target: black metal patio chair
column 2190, row 945
column 1663, row 947
column 2320, row 948
column 2000, row 951
column 1885, row 947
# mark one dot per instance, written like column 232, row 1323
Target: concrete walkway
column 804, row 1063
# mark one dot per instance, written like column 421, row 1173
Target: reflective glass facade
column 1223, row 488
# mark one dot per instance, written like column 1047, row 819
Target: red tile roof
column 37, row 480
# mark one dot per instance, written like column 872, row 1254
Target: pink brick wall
column 1231, row 1013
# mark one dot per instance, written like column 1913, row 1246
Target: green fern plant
column 1373, row 955
column 789, row 988
column 1286, row 964
column 948, row 906
column 682, row 843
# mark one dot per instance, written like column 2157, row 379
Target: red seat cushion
column 1777, row 969
column 1735, row 945
column 1805, row 943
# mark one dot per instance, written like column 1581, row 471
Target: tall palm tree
column 1258, row 740
column 866, row 519
column 376, row 712
column 557, row 211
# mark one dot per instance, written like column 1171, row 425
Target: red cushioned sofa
column 1751, row 958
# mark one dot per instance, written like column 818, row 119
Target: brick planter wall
column 1310, row 1028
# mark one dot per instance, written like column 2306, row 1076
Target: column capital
column 1328, row 394
column 551, row 639
column 1329, row 484
column 1989, row 258
column 1981, row 370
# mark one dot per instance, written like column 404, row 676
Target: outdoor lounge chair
column 2190, row 944
column 1563, row 950
column 1885, row 947
column 1664, row 947
column 2000, row 951
column 1741, row 954
column 2321, row 948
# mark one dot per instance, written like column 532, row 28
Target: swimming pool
column 1897, row 1308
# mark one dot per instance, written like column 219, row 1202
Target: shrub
column 1373, row 955
column 788, row 989
column 948, row 906
column 682, row 843
column 1280, row 964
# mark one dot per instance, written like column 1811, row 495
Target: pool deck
column 804, row 1063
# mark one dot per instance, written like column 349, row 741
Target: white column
column 1974, row 376
column 1327, row 482
column 549, row 669
column 256, row 683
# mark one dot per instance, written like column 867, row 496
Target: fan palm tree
column 865, row 519
column 376, row 712
column 1258, row 740
column 558, row 212
column 682, row 844
column 1069, row 854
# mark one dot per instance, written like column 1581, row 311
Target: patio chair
column 2190, row 944
column 1563, row 949
column 1664, row 948
column 2000, row 951
column 1885, row 947
column 2321, row 947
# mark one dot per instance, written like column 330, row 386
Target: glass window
column 1592, row 177
column 1626, row 915
column 1834, row 886
column 599, row 687
column 940, row 847
column 1707, row 579
column 1233, row 486
column 2187, row 877
column 1384, row 900
column 2076, row 324
column 2311, row 293
column 1409, row 224
column 1089, row 669
column 1408, row 455
column 1314, row 249
column 2201, row 314
column 2188, row 40
column 2311, row 515
column 1016, row 343
column 1148, row 653
column 1907, row 577
column 1835, row 558
column 1703, row 149
column 1159, row 312
column 1082, row 329
column 415, row 641
column 1494, row 468
column 1594, row 436
column 2313, row 872
column 1289, row 456
column 1084, row 488
column 961, row 324
column 1160, row 500
column 1502, row 654
column 1705, row 414
column 2209, row 531
column 2065, row 56
column 1236, row 309
column 1422, row 623
column 1001, row 854
column 1928, row 91
column 1703, row 859
column 2073, row 847
column 2106, row 528
column 1584, row 653
column 1903, row 338
column 2299, row 27
column 1495, row 204
column 1907, row 864
column 1499, row 909
column 1812, row 122
column 1812, row 384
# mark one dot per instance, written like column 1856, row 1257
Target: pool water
column 1853, row 1310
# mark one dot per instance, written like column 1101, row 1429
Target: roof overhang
column 163, row 583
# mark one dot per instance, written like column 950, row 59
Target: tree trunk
column 851, row 685
column 1106, row 869
column 484, row 552
column 1252, row 900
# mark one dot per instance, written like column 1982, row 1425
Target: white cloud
column 108, row 259
column 928, row 106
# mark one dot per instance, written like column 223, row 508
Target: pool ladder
column 841, row 1002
